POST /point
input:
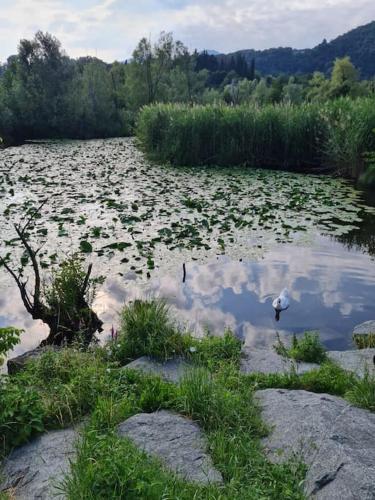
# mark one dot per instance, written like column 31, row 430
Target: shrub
column 147, row 330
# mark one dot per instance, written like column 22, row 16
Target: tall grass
column 334, row 134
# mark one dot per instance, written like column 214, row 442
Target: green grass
column 362, row 393
column 364, row 341
column 334, row 134
column 63, row 387
column 147, row 330
column 308, row 349
column 110, row 467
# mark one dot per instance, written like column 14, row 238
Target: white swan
column 282, row 302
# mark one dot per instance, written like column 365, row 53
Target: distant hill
column 359, row 44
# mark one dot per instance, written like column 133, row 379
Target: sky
column 110, row 29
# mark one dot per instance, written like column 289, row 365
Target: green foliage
column 362, row 393
column 108, row 466
column 364, row 341
column 291, row 136
column 368, row 179
column 69, row 297
column 281, row 135
column 329, row 378
column 9, row 337
column 308, row 348
column 21, row 413
column 212, row 351
column 147, row 330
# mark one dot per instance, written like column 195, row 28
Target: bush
column 147, row 330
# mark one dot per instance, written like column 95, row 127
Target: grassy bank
column 61, row 388
column 335, row 134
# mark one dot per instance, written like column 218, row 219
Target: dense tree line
column 46, row 94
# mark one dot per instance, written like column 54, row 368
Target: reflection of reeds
column 334, row 134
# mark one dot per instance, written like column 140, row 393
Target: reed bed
column 334, row 134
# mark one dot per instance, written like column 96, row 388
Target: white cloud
column 111, row 29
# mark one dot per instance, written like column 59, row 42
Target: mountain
column 358, row 43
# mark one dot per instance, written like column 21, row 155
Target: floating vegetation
column 125, row 213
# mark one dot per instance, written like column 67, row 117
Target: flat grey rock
column 172, row 370
column 268, row 361
column 355, row 361
column 19, row 362
column 334, row 439
column 366, row 328
column 33, row 470
column 176, row 441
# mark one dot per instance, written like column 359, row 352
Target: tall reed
column 334, row 134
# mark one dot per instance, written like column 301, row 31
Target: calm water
column 243, row 236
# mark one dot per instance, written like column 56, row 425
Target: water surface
column 243, row 234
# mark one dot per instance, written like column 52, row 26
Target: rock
column 355, row 361
column 364, row 334
column 176, row 441
column 268, row 361
column 334, row 439
column 33, row 470
column 172, row 370
column 19, row 362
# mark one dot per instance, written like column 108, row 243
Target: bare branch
column 86, row 282
column 34, row 262
column 21, row 286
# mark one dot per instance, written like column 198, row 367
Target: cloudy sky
column 111, row 28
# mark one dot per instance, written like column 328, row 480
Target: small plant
column 9, row 337
column 362, row 393
column 69, row 297
column 147, row 330
column 308, row 349
column 211, row 351
column 364, row 341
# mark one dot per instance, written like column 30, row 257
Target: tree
column 293, row 92
column 65, row 305
column 344, row 79
column 153, row 62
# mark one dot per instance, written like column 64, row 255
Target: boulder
column 268, row 361
column 334, row 439
column 355, row 361
column 33, row 470
column 176, row 441
column 364, row 334
column 172, row 370
column 19, row 362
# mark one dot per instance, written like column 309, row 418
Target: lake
column 243, row 234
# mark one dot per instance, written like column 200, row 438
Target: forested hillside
column 358, row 44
